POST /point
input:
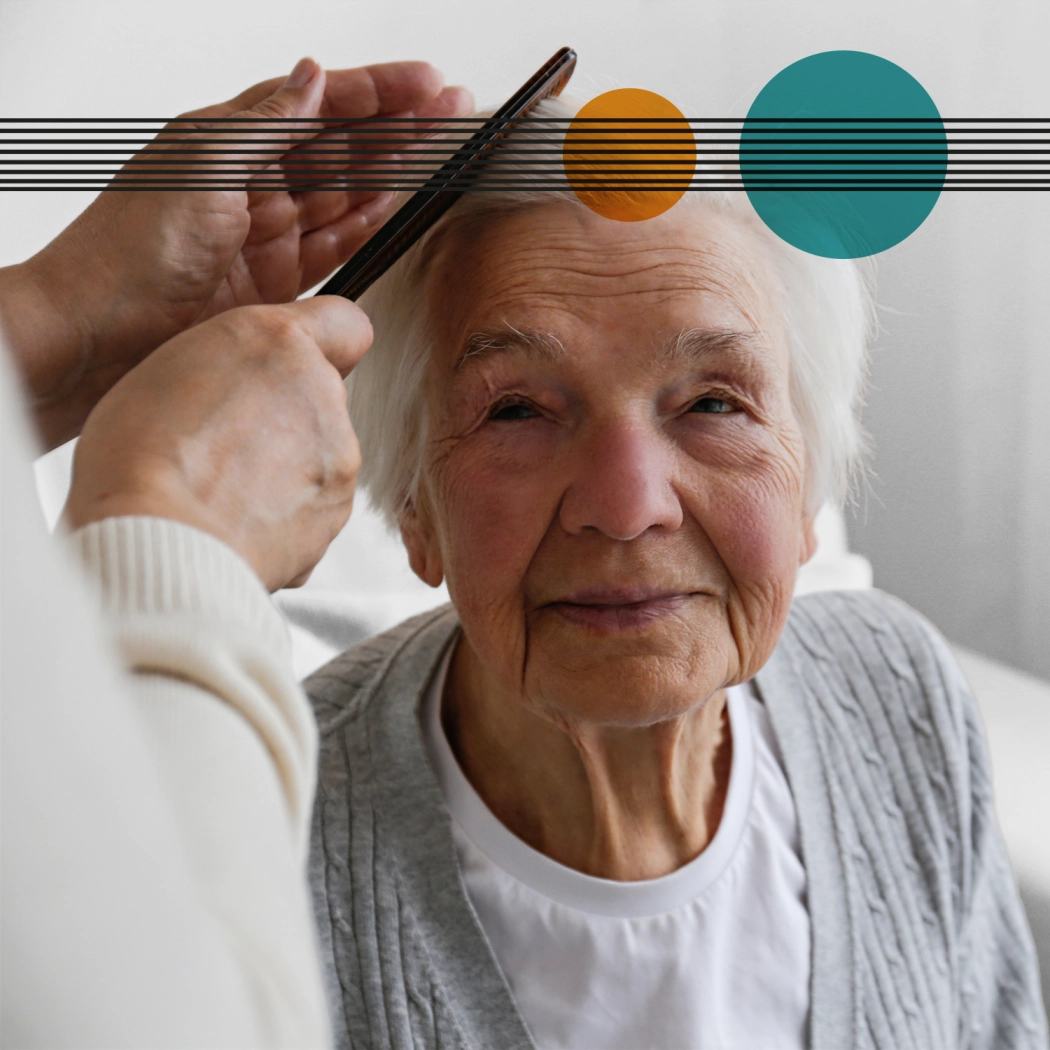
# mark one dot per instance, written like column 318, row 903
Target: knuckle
column 350, row 465
column 275, row 325
column 342, row 465
column 274, row 106
column 267, row 336
column 334, row 392
column 180, row 133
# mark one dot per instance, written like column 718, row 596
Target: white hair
column 828, row 314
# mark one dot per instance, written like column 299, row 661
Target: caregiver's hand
column 137, row 268
column 238, row 427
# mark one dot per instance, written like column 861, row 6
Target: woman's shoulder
column 875, row 639
column 887, row 762
column 881, row 680
column 348, row 683
column 858, row 618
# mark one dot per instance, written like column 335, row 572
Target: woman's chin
column 633, row 669
column 626, row 693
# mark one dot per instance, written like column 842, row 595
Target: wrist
column 150, row 567
column 38, row 332
column 158, row 493
column 47, row 334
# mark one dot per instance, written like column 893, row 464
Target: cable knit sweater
column 919, row 939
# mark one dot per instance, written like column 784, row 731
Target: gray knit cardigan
column 919, row 939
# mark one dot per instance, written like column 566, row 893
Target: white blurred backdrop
column 956, row 519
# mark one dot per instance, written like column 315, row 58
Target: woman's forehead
column 562, row 261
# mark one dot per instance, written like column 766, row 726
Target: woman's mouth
column 620, row 610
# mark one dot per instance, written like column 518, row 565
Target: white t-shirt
column 714, row 955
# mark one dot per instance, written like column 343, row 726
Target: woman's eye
column 513, row 410
column 711, row 404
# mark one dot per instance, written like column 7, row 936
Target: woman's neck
column 613, row 802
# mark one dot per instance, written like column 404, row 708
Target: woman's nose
column 622, row 484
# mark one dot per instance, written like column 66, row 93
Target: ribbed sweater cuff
column 146, row 566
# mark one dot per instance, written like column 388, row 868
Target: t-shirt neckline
column 573, row 888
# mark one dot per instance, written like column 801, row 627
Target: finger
column 340, row 328
column 405, row 88
column 451, row 102
column 381, row 89
column 322, row 251
column 317, row 210
column 301, row 94
column 341, row 151
column 302, row 578
column 362, row 92
column 299, row 97
column 222, row 143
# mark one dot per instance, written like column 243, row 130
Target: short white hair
column 828, row 315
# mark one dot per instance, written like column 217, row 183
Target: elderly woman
column 623, row 792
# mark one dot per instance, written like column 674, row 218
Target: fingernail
column 305, row 70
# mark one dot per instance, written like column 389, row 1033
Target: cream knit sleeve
column 235, row 741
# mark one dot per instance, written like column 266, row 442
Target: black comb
column 428, row 204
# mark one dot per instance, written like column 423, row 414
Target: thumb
column 340, row 328
column 299, row 96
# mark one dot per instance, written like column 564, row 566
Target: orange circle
column 634, row 137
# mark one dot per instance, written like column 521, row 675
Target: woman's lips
column 619, row 610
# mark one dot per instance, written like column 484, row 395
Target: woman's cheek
column 499, row 497
column 492, row 520
column 749, row 501
column 755, row 540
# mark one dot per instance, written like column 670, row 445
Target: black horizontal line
column 929, row 163
column 251, row 134
column 503, row 151
column 439, row 128
column 578, row 156
column 641, row 169
column 434, row 145
column 110, row 188
column 306, row 134
column 543, row 120
column 620, row 138
column 573, row 163
column 415, row 146
column 464, row 133
column 415, row 157
column 626, row 166
column 592, row 186
column 322, row 189
column 616, row 127
column 578, row 176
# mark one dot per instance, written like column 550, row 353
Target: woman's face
column 614, row 482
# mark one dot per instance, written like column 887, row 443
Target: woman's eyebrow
column 700, row 345
column 481, row 345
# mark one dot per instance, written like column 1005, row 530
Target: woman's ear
column 808, row 545
column 424, row 554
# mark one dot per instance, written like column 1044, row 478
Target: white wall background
column 957, row 519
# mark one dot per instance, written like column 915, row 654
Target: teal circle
column 843, row 154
